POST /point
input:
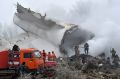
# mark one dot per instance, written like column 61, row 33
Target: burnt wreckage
column 37, row 24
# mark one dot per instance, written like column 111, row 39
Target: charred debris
column 85, row 66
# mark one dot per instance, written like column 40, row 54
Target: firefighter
column 29, row 10
column 108, row 61
column 49, row 56
column 44, row 54
column 16, row 48
column 23, row 69
column 53, row 56
column 44, row 16
column 86, row 48
column 113, row 52
column 11, row 54
column 83, row 60
column 116, row 61
column 77, row 50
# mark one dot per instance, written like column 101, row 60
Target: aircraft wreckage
column 59, row 34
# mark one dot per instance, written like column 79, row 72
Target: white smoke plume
column 102, row 18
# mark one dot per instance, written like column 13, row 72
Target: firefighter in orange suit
column 44, row 54
column 53, row 56
column 49, row 56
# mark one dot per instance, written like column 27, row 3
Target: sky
column 7, row 7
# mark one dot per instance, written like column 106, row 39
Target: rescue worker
column 116, row 61
column 23, row 69
column 107, row 65
column 83, row 60
column 44, row 16
column 86, row 48
column 53, row 56
column 33, row 75
column 11, row 54
column 16, row 48
column 49, row 56
column 108, row 61
column 113, row 52
column 76, row 50
column 29, row 10
column 44, row 55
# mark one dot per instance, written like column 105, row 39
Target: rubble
column 86, row 67
column 93, row 68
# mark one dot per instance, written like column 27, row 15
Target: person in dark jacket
column 16, row 48
column 23, row 69
column 77, row 51
column 86, row 48
column 113, row 52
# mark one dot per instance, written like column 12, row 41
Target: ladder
column 14, row 59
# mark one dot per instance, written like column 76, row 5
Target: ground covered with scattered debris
column 91, row 68
column 87, row 67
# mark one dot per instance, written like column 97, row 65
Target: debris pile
column 84, row 66
column 93, row 68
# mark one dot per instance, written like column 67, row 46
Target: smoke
column 9, row 31
column 102, row 18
